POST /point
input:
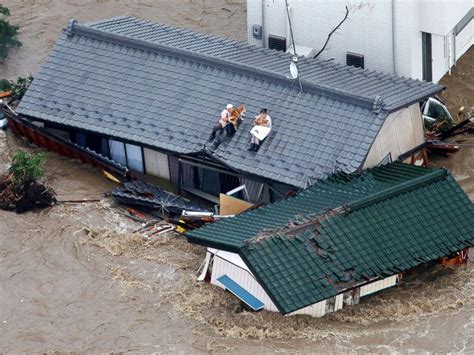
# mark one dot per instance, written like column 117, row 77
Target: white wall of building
column 232, row 265
column 387, row 33
column 440, row 59
column 464, row 40
column 440, row 16
column 314, row 310
column 221, row 266
column 401, row 132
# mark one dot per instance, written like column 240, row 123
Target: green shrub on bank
column 26, row 167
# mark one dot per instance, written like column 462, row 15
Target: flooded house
column 147, row 96
column 342, row 239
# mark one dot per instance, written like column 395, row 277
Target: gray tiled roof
column 164, row 87
column 396, row 91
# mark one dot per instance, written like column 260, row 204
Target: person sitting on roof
column 223, row 122
column 236, row 118
column 260, row 130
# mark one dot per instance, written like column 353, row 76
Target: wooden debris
column 444, row 149
column 159, row 229
column 29, row 196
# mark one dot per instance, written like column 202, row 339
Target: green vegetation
column 18, row 88
column 8, row 33
column 26, row 167
column 20, row 191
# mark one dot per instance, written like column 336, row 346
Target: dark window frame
column 427, row 56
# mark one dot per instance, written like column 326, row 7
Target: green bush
column 26, row 167
column 7, row 33
column 5, row 85
column 19, row 88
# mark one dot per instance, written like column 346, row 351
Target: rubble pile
column 28, row 196
column 144, row 196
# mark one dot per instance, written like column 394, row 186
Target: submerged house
column 343, row 238
column 147, row 95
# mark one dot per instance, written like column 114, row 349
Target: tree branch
column 332, row 32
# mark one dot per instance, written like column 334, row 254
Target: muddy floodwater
column 75, row 278
column 461, row 163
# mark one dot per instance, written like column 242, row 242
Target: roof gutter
column 205, row 243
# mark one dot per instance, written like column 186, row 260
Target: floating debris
column 145, row 196
column 27, row 197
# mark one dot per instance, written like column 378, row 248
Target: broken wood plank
column 78, row 201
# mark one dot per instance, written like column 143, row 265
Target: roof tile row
column 164, row 87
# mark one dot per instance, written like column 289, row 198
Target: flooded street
column 74, row 278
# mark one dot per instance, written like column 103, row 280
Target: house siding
column 156, row 163
column 245, row 278
column 402, row 131
column 378, row 286
column 464, row 40
column 312, row 21
column 314, row 310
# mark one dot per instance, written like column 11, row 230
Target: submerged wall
column 232, row 265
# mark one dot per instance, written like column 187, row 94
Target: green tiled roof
column 335, row 191
column 347, row 230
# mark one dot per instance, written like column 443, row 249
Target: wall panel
column 156, row 163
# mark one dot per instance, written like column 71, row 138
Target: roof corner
column 69, row 29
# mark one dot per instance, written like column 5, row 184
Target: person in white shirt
column 223, row 121
column 263, row 119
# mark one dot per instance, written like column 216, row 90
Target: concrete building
column 419, row 39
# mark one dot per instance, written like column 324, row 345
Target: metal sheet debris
column 145, row 196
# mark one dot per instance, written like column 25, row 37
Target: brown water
column 73, row 277
column 63, row 290
column 42, row 20
column 461, row 163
